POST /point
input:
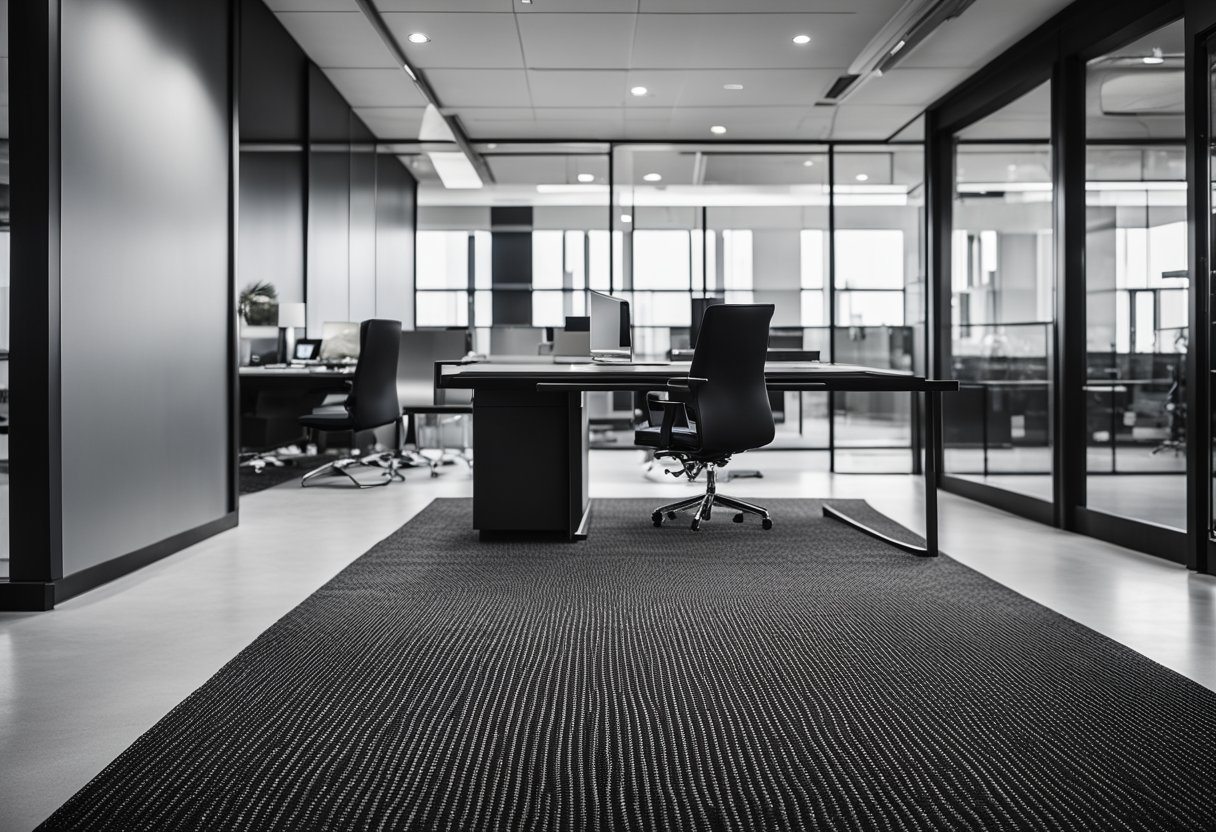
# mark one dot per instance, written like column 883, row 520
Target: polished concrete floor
column 79, row 684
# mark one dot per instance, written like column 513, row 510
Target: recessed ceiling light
column 861, row 177
column 802, row 40
column 638, row 90
column 809, row 163
column 586, row 177
column 732, row 86
column 626, row 218
column 717, row 129
column 418, row 37
column 653, row 177
column 1156, row 58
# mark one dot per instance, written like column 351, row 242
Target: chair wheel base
column 696, row 525
column 738, row 518
column 766, row 524
column 671, row 515
column 657, row 518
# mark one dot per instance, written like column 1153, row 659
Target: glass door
column 1136, row 281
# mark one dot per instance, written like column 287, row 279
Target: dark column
column 1068, row 365
column 511, row 244
column 35, row 500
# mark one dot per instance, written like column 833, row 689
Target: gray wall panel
column 145, row 273
column 395, row 210
column 271, row 238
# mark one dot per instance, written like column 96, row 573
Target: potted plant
column 259, row 304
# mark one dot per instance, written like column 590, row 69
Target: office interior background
column 820, row 209
column 1025, row 202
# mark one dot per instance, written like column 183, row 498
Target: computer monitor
column 610, row 337
column 307, row 349
column 339, row 341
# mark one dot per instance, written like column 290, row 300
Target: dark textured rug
column 804, row 678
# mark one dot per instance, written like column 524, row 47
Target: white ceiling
column 562, row 69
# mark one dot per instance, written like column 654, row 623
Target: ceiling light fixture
column 809, row 163
column 418, row 37
column 638, row 91
column 1156, row 58
column 733, row 87
column 915, row 21
column 802, row 40
column 626, row 218
column 652, row 177
column 717, row 129
column 586, row 177
column 861, row 177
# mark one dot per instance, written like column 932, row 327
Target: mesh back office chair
column 371, row 403
column 723, row 405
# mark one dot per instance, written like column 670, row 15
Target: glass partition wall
column 4, row 306
column 1066, row 298
column 998, row 427
column 830, row 236
column 1136, row 280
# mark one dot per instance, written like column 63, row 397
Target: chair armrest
column 672, row 410
column 686, row 383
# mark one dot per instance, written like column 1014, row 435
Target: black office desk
column 530, row 434
column 272, row 399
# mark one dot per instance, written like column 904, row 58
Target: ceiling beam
column 368, row 7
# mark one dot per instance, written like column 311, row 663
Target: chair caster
column 671, row 515
column 657, row 519
column 766, row 524
column 739, row 518
column 696, row 525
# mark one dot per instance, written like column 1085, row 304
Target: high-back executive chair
column 721, row 408
column 371, row 403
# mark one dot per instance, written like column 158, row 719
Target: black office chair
column 371, row 403
column 721, row 408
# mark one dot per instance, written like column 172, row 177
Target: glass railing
column 999, row 421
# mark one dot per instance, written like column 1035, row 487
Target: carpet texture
column 804, row 678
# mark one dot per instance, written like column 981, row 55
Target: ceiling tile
column 578, row 6
column 761, row 88
column 585, row 41
column 981, row 33
column 390, row 123
column 458, row 40
column 312, row 5
column 338, row 39
column 578, row 87
column 757, row 41
column 376, row 87
column 871, row 122
column 503, row 6
column 906, row 86
column 885, row 7
column 480, row 87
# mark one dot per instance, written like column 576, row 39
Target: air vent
column 841, row 85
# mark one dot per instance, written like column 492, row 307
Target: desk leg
column 933, row 444
column 933, row 441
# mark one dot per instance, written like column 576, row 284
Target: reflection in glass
column 997, row 429
column 1136, row 282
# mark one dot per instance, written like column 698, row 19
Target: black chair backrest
column 373, row 397
column 732, row 410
